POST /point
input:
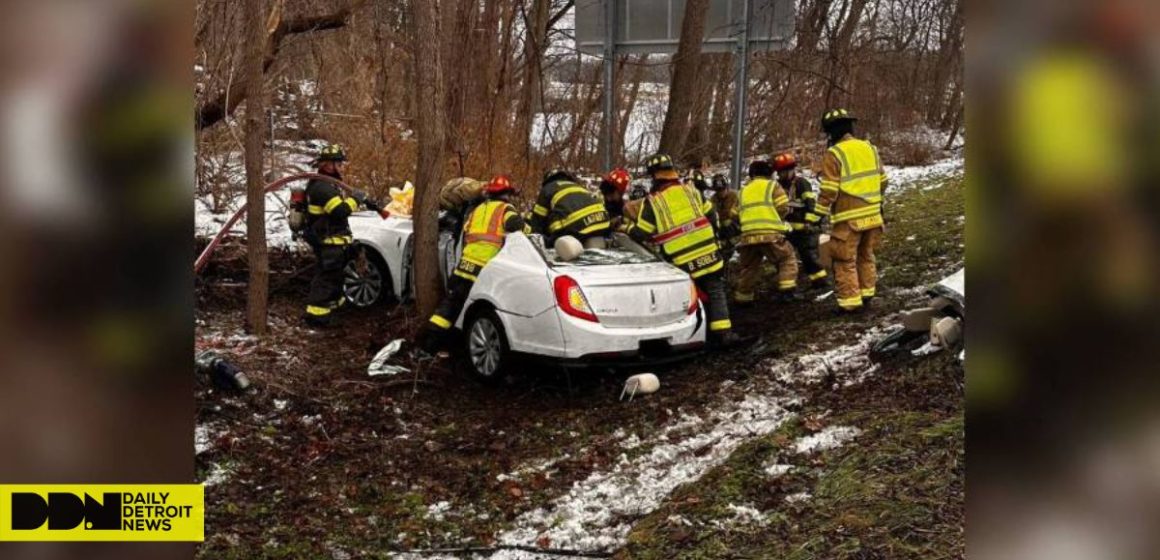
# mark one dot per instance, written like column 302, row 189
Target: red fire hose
column 203, row 259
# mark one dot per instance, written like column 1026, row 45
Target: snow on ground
column 597, row 513
column 848, row 364
column 903, row 178
column 829, row 438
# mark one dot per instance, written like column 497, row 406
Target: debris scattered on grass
column 379, row 366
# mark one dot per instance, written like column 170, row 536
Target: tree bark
column 224, row 105
column 430, row 133
column 256, row 300
column 536, row 24
column 683, row 90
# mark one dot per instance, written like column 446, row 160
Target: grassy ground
column 326, row 462
column 896, row 491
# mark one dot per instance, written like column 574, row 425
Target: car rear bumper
column 588, row 342
column 635, row 358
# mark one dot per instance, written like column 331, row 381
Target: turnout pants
column 806, row 244
column 779, row 252
column 855, row 266
column 326, row 288
column 718, row 306
column 452, row 304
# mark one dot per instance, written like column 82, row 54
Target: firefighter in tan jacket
column 764, row 205
column 851, row 195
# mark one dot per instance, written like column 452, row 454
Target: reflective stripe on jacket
column 483, row 235
column 852, row 183
column 565, row 208
column 763, row 202
column 327, row 212
column 680, row 222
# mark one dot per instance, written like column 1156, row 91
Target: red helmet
column 499, row 184
column 784, row 161
column 620, row 178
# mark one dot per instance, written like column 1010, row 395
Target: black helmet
column 333, row 152
column 760, row 168
column 557, row 173
column 835, row 116
column 659, row 162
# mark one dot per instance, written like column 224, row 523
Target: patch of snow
column 742, row 515
column 777, row 469
column 829, row 438
column 798, row 497
column 203, row 438
column 904, row 178
column 597, row 513
column 849, row 363
column 217, row 474
column 438, row 511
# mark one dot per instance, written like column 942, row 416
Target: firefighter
column 764, row 206
column 613, row 187
column 484, row 231
column 804, row 222
column 728, row 208
column 851, row 196
column 565, row 207
column 679, row 223
column 328, row 234
column 697, row 178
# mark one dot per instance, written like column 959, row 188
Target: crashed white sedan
column 617, row 306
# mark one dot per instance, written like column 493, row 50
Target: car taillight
column 693, row 298
column 571, row 299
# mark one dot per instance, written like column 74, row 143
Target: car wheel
column 487, row 346
column 366, row 280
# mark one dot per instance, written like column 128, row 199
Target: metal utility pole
column 609, row 79
column 739, row 107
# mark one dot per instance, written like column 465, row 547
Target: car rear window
column 599, row 257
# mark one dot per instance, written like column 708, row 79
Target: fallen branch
column 224, row 105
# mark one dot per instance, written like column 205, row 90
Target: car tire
column 366, row 280
column 486, row 347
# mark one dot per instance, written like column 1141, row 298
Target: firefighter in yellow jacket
column 764, row 205
column 851, row 195
column 680, row 224
column 564, row 207
column 484, row 231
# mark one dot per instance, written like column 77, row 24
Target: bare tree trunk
column 683, row 91
column 256, row 300
column 536, row 23
column 430, row 132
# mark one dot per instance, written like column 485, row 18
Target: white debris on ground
column 597, row 513
column 829, row 438
column 797, row 497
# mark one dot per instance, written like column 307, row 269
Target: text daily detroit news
column 90, row 513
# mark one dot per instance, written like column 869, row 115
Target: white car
column 616, row 307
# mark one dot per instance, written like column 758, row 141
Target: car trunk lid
column 634, row 295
